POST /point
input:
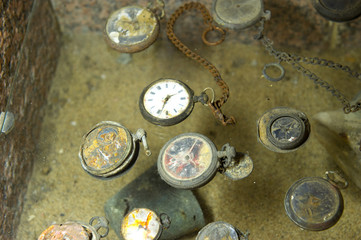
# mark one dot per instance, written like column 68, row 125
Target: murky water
column 94, row 83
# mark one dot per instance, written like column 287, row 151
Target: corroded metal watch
column 221, row 230
column 110, row 149
column 315, row 203
column 133, row 28
column 239, row 14
column 283, row 129
column 74, row 230
column 144, row 224
column 191, row 160
column 168, row 101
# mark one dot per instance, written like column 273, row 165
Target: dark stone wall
column 26, row 74
column 293, row 23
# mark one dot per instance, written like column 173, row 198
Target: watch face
column 105, row 148
column 166, row 102
column 286, row 129
column 188, row 161
column 71, row 231
column 141, row 224
column 131, row 29
column 313, row 203
column 283, row 129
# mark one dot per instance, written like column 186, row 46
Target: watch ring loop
column 213, row 28
column 213, row 94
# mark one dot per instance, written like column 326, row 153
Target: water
column 94, row 83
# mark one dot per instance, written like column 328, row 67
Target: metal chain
column 217, row 104
column 295, row 61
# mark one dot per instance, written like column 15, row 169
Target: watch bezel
column 196, row 182
column 169, row 121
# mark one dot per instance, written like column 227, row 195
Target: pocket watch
column 283, row 129
column 168, row 101
column 191, row 160
column 74, row 230
column 238, row 14
column 133, row 28
column 144, row 224
column 221, row 230
column 110, row 149
column 315, row 203
column 338, row 10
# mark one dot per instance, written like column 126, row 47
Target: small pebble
column 45, row 170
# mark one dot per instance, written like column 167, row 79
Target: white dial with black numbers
column 166, row 102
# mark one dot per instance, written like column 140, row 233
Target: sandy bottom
column 94, row 83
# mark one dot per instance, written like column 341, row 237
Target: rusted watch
column 315, row 203
column 168, row 101
column 133, row 28
column 74, row 230
column 238, row 14
column 283, row 129
column 221, row 230
column 110, row 149
column 144, row 224
column 191, row 160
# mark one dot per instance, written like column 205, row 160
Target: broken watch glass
column 191, row 160
column 110, row 149
column 144, row 224
column 133, row 28
column 315, row 203
column 283, row 129
column 74, row 230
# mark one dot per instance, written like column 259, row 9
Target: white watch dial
column 166, row 99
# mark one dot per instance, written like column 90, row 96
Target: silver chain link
column 295, row 60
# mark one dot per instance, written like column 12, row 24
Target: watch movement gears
column 142, row 224
column 313, row 203
column 283, row 129
column 238, row 14
column 166, row 102
column 74, row 230
column 220, row 230
column 131, row 29
column 110, row 149
column 191, row 160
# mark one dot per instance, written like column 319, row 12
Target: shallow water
column 94, row 83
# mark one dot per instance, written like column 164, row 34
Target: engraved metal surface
column 237, row 14
column 218, row 230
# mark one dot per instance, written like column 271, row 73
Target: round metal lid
column 71, row 231
column 188, row 161
column 131, row 29
column 105, row 148
column 313, row 203
column 338, row 10
column 218, row 230
column 141, row 224
column 237, row 14
column 283, row 129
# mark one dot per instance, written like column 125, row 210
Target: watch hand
column 166, row 99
